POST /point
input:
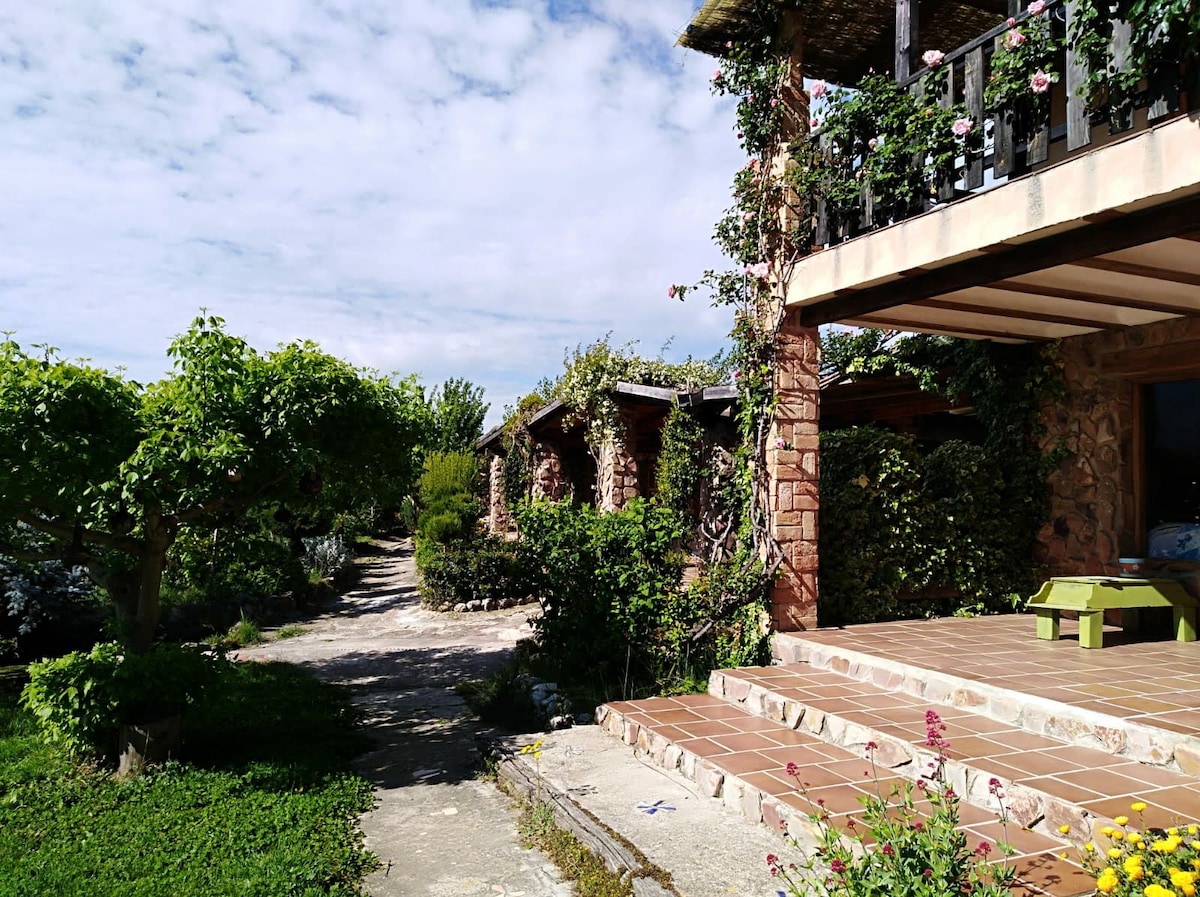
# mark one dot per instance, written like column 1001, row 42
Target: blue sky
column 445, row 187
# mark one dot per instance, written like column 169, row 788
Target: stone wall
column 497, row 517
column 793, row 478
column 548, row 479
column 617, row 468
column 1093, row 512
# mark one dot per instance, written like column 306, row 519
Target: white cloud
column 449, row 187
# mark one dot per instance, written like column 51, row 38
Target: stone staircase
column 1055, row 768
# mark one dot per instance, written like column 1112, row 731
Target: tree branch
column 66, row 531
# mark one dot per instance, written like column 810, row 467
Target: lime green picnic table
column 1091, row 596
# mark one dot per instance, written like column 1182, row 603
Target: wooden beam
column 1020, row 314
column 1135, row 229
column 1116, row 266
column 947, row 329
column 1172, row 361
column 1195, row 238
column 907, row 36
column 1053, row 292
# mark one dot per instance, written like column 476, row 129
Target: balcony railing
column 1015, row 141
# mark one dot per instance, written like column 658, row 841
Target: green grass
column 290, row 631
column 587, row 873
column 261, row 803
column 241, row 634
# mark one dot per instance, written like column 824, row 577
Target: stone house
column 564, row 465
column 1084, row 233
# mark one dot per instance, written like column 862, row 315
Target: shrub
column 448, row 473
column 82, row 699
column 48, row 606
column 484, row 568
column 327, row 556
column 604, row 582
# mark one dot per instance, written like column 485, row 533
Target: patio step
column 1139, row 701
column 740, row 758
column 1047, row 782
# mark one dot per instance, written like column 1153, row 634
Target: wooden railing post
column 907, row 36
column 1079, row 125
column 973, row 81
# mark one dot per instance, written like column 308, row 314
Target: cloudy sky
column 447, row 187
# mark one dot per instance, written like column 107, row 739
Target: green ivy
column 681, row 466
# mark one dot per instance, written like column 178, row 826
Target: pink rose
column 1040, row 82
column 1011, row 23
column 728, row 45
column 962, row 127
column 818, row 90
column 762, row 270
column 1013, row 39
column 1037, row 7
column 814, row 123
column 671, row 291
column 872, row 143
column 717, row 75
column 774, row 102
column 933, row 57
column 780, row 443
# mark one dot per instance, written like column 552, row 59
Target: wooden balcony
column 1078, row 220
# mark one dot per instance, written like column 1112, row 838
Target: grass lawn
column 262, row 803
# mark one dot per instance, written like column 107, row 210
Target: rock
column 475, row 605
column 562, row 721
column 1187, row 755
column 460, row 608
column 490, row 604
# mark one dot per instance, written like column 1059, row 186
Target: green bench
column 1091, row 596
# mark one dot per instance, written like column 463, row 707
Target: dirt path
column 437, row 828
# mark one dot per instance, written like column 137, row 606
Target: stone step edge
column 1030, row 808
column 1041, row 716
column 737, row 795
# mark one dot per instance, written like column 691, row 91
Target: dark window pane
column 1173, row 452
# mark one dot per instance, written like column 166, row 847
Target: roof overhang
column 1104, row 240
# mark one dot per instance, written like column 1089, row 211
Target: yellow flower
column 1196, row 863
column 1192, row 829
column 1121, row 820
column 1138, row 806
column 1179, row 878
column 1089, row 847
column 1107, row 882
column 1117, row 835
column 1107, row 831
column 1163, row 846
column 1135, row 838
column 1188, row 890
column 1136, row 873
column 1065, row 829
column 1173, row 831
column 1114, row 853
column 1157, row 890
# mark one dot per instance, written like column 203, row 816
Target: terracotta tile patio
column 1155, row 682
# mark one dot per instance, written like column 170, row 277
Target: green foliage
column 576, row 862
column 290, row 631
column 893, row 521
column 680, row 466
column 481, row 569
column 264, row 805
column 603, row 581
column 869, row 137
column 455, row 416
column 98, row 462
column 81, row 699
column 591, row 374
column 241, row 634
column 448, row 473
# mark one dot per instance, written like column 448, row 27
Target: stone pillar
column 617, row 468
column 792, row 471
column 548, row 481
column 497, row 520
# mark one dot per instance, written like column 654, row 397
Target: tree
column 455, row 416
column 113, row 470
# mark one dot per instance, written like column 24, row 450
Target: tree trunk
column 159, row 534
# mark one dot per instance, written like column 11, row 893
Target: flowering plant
column 1151, row 861
column 909, row 843
column 1024, row 65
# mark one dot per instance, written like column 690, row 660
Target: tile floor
column 1155, row 682
column 757, row 751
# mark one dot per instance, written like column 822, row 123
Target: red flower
column 837, row 866
column 792, row 769
column 983, row 849
column 888, row 850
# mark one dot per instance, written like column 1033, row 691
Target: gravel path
column 437, row 828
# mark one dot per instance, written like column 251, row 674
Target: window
column 1172, row 452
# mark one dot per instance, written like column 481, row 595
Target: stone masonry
column 793, row 475
column 497, row 519
column 548, row 479
column 617, row 468
column 1092, row 509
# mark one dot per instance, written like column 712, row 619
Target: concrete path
column 437, row 828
